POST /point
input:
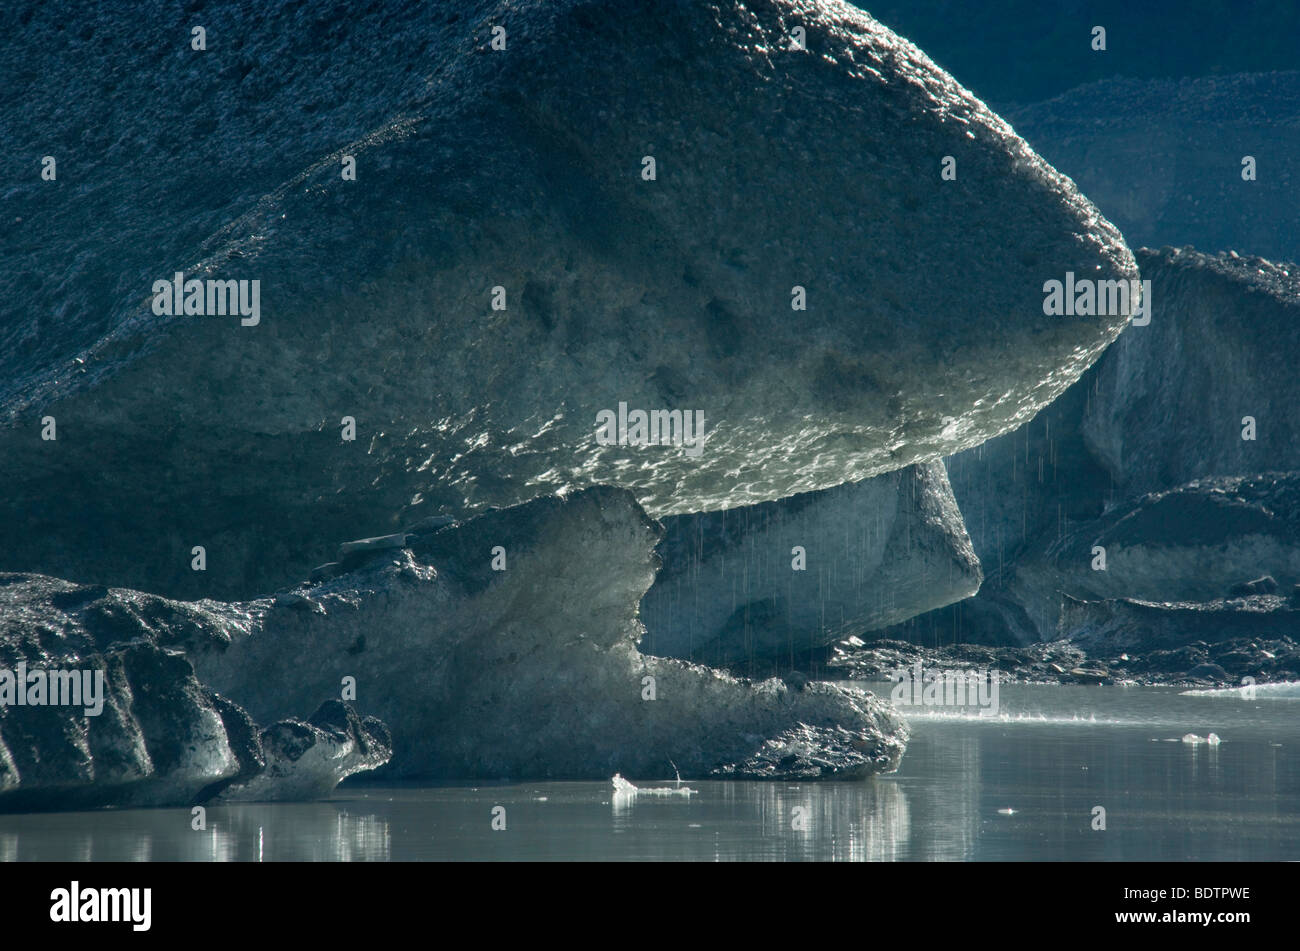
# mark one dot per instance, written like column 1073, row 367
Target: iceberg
column 624, row 788
column 160, row 737
column 702, row 217
column 526, row 670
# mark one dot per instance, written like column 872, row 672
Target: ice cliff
column 1175, row 456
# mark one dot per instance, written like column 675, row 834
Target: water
column 1019, row 786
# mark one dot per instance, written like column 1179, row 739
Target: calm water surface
column 1022, row 785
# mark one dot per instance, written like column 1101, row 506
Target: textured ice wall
column 1172, row 398
column 775, row 580
column 525, row 169
column 144, row 730
column 1164, row 411
column 533, row 670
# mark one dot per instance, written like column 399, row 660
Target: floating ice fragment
column 1287, row 690
column 623, row 788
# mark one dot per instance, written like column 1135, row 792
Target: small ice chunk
column 1213, row 739
column 1193, row 739
column 623, row 788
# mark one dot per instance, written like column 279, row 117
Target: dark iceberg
column 529, row 669
column 101, row 707
column 503, row 270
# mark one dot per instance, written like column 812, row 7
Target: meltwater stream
column 1020, row 785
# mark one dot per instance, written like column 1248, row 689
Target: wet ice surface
column 1021, row 785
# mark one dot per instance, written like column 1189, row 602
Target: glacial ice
column 1289, row 690
column 871, row 553
column 924, row 331
column 1176, row 194
column 527, row 672
column 624, row 788
column 162, row 738
column 1224, row 327
column 1152, row 415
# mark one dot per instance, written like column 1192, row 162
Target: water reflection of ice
column 951, row 808
column 862, row 821
column 858, row 820
column 305, row 832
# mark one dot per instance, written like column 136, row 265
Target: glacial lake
column 1021, row 786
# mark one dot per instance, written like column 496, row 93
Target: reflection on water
column 1022, row 786
column 860, row 821
column 324, row 831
